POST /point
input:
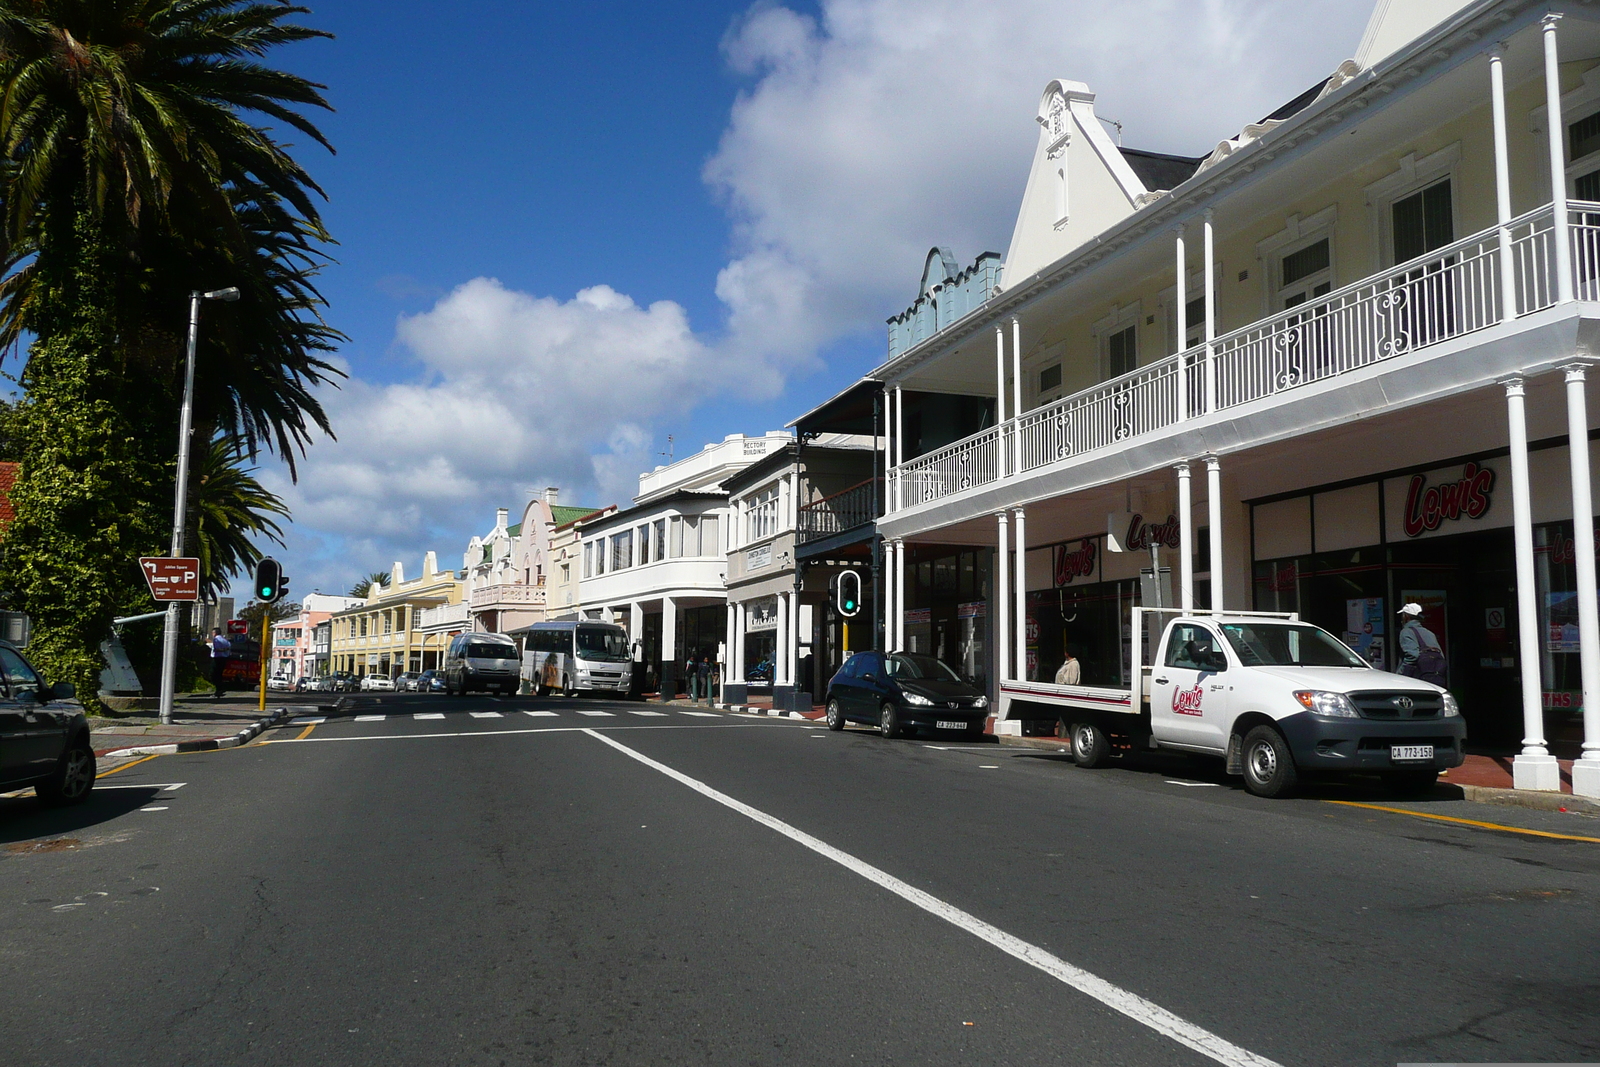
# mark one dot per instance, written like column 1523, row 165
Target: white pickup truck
column 1273, row 696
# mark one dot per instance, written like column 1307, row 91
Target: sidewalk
column 195, row 718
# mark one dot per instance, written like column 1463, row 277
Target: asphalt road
column 664, row 888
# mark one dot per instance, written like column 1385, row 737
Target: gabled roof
column 1158, row 170
column 563, row 513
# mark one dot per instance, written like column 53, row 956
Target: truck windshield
column 595, row 642
column 1277, row 645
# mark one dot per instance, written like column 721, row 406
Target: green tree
column 228, row 510
column 364, row 586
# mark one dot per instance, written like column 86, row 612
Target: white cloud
column 862, row 138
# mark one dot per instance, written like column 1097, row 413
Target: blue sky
column 569, row 230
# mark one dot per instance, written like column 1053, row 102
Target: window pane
column 677, row 538
column 1308, row 261
column 1050, row 378
column 710, row 545
column 1587, row 187
column 1123, row 352
column 1422, row 222
column 1585, row 136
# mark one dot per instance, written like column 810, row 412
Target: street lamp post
column 169, row 645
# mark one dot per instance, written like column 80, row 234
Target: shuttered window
column 1422, row 222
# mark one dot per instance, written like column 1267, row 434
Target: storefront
column 1347, row 557
column 947, row 608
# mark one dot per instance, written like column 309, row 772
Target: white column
column 1183, row 324
column 1020, row 579
column 899, row 450
column 887, row 608
column 1185, row 540
column 785, row 498
column 1214, row 514
column 899, row 595
column 728, row 645
column 780, row 659
column 1534, row 767
column 1211, row 316
column 1586, row 770
column 738, row 642
column 1002, row 603
column 1502, row 189
column 999, row 376
column 794, row 499
column 635, row 622
column 1558, row 161
column 1016, row 395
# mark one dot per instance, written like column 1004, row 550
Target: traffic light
column 270, row 583
column 847, row 593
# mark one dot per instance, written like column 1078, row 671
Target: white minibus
column 576, row 657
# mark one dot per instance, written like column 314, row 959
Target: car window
column 871, row 663
column 20, row 681
column 910, row 667
column 1190, row 647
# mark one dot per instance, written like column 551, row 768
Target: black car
column 44, row 742
column 901, row 691
column 429, row 682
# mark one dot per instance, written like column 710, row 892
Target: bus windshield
column 602, row 643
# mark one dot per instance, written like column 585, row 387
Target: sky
column 566, row 231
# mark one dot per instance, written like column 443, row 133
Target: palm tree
column 364, row 587
column 134, row 112
column 228, row 510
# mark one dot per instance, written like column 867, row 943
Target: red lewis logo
column 1186, row 701
column 1075, row 562
column 1427, row 506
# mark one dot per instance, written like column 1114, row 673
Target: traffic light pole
column 266, row 631
column 169, row 637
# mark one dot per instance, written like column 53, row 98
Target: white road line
column 988, row 766
column 435, row 736
column 598, row 714
column 1193, row 785
column 428, row 715
column 307, row 722
column 170, row 787
column 487, row 715
column 702, row 714
column 369, row 718
column 153, row 809
column 541, row 714
column 1132, row 1005
column 653, row 714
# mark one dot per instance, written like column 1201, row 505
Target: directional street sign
column 172, row 578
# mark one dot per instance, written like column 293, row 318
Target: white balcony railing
column 1450, row 292
column 443, row 616
column 507, row 595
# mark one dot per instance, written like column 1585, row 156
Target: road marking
column 1112, row 996
column 1192, row 785
column 369, row 718
column 303, row 720
column 988, row 766
column 531, row 730
column 653, row 714
column 125, row 766
column 701, row 714
column 428, row 715
column 168, row 787
column 307, row 731
column 541, row 714
column 598, row 714
column 153, row 809
column 1467, row 822
column 487, row 715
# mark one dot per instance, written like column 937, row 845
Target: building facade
column 508, row 570
column 401, row 625
column 1337, row 365
column 296, row 652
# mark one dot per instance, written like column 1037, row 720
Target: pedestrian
column 703, row 673
column 1069, row 673
column 690, row 677
column 220, row 647
column 1421, row 656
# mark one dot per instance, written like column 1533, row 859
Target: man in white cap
column 1420, row 653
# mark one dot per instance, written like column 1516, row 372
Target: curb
column 1538, row 800
column 753, row 709
column 243, row 737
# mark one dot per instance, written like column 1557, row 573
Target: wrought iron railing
column 844, row 510
column 1448, row 293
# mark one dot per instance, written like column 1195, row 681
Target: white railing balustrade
column 1447, row 293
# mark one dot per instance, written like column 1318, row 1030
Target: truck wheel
column 1269, row 769
column 835, row 716
column 889, row 721
column 1090, row 747
column 72, row 780
column 1411, row 783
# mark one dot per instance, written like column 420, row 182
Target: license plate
column 947, row 725
column 1400, row 753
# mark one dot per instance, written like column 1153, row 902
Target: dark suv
column 44, row 741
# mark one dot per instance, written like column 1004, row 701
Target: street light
column 169, row 645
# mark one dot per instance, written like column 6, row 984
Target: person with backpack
column 1421, row 655
column 703, row 673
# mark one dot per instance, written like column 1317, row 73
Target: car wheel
column 73, row 778
column 835, row 716
column 889, row 724
column 1269, row 769
column 1412, row 782
column 1090, row 746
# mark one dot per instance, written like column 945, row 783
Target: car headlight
column 981, row 702
column 1329, row 705
column 1451, row 709
column 919, row 700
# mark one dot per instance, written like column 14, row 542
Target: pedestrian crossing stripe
column 598, row 714
column 702, row 714
column 429, row 715
column 370, row 718
column 656, row 713
column 487, row 715
column 541, row 714
column 303, row 721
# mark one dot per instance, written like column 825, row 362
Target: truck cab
column 1276, row 697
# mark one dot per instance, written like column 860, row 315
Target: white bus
column 575, row 657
